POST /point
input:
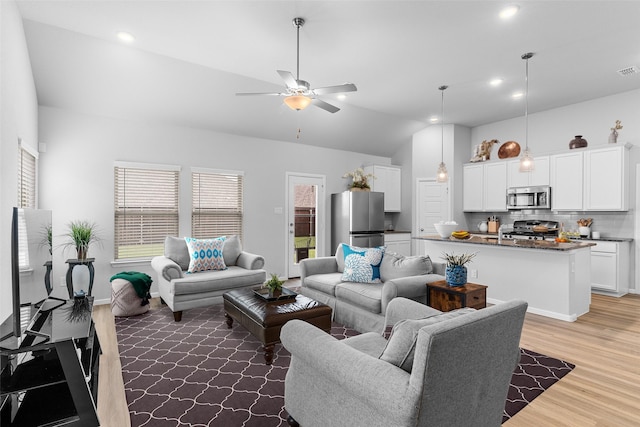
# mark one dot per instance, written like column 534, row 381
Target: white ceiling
column 191, row 57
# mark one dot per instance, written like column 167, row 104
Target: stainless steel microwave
column 529, row 198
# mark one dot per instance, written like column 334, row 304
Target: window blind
column 217, row 204
column 26, row 179
column 146, row 210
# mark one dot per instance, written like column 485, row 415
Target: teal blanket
column 141, row 282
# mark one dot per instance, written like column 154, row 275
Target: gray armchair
column 457, row 373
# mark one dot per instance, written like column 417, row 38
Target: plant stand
column 72, row 263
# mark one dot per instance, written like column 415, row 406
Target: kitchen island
column 554, row 278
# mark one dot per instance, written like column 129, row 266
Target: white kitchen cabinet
column 472, row 188
column 398, row 242
column 591, row 180
column 484, row 187
column 606, row 179
column 388, row 180
column 610, row 267
column 566, row 181
column 538, row 176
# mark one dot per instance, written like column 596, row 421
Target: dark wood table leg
column 268, row 353
column 229, row 320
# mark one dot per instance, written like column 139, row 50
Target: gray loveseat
column 181, row 290
column 451, row 369
column 362, row 306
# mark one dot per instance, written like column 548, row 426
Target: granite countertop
column 604, row 239
column 492, row 240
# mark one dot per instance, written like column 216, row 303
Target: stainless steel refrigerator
column 357, row 218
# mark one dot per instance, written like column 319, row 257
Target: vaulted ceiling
column 189, row 58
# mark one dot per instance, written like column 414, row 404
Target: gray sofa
column 182, row 291
column 459, row 368
column 362, row 306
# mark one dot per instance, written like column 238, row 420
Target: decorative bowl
column 445, row 230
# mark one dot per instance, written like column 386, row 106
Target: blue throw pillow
column 362, row 265
column 205, row 254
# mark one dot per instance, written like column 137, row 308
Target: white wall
column 551, row 131
column 18, row 119
column 78, row 178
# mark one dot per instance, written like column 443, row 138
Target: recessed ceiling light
column 125, row 37
column 517, row 95
column 496, row 82
column 509, row 11
column 434, row 119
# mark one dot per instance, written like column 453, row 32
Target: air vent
column 629, row 71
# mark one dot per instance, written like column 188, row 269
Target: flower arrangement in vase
column 456, row 272
column 613, row 137
column 359, row 180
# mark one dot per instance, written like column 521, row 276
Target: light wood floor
column 603, row 389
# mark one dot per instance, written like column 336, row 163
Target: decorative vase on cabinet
column 456, row 275
column 578, row 142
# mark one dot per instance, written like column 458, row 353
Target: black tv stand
column 51, row 377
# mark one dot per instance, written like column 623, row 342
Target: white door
column 432, row 206
column 305, row 219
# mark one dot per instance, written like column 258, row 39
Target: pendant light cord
column 526, row 57
column 442, row 89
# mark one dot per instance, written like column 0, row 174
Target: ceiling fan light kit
column 297, row 102
column 298, row 94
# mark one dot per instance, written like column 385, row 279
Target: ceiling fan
column 298, row 94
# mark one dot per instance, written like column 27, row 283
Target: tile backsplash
column 609, row 224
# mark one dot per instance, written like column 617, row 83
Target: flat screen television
column 31, row 269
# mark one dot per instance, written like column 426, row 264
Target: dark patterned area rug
column 199, row 373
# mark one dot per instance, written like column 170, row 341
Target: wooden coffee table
column 264, row 319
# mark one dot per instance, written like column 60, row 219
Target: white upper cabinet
column 484, row 187
column 388, row 180
column 566, row 181
column 606, row 179
column 591, row 180
column 495, row 187
column 473, row 188
column 538, row 176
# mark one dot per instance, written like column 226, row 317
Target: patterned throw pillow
column 362, row 265
column 205, row 254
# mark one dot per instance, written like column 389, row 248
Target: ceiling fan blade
column 325, row 105
column 258, row 93
column 347, row 87
column 288, row 78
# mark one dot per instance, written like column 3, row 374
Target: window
column 217, row 206
column 146, row 209
column 26, row 177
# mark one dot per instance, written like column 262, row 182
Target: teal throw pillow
column 362, row 265
column 205, row 254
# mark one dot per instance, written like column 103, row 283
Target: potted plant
column 274, row 284
column 82, row 234
column 359, row 180
column 456, row 272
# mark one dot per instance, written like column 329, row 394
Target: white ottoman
column 124, row 299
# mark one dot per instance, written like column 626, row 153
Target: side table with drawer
column 443, row 297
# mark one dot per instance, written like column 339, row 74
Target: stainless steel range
column 533, row 230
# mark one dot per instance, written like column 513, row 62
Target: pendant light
column 526, row 161
column 442, row 175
